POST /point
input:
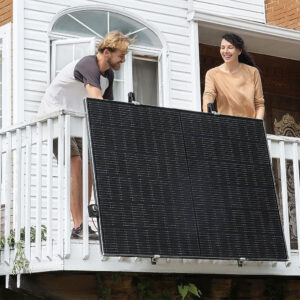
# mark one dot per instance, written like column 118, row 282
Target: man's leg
column 76, row 190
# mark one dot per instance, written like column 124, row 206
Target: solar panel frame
column 120, row 134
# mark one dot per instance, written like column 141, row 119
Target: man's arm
column 93, row 92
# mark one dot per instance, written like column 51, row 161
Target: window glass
column 123, row 24
column 86, row 23
column 64, row 55
column 94, row 19
column 146, row 38
column 80, row 50
column 118, row 87
column 67, row 25
column 144, row 73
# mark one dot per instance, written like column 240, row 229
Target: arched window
column 75, row 33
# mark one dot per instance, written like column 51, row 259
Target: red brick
column 283, row 13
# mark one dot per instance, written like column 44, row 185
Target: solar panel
column 182, row 184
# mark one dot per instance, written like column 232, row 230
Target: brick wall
column 5, row 11
column 283, row 13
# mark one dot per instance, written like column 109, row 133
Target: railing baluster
column 270, row 149
column 85, row 189
column 17, row 186
column 61, row 149
column 23, row 178
column 7, row 195
column 49, row 188
column 67, row 188
column 28, row 192
column 284, row 195
column 297, row 189
column 38, row 243
column 1, row 185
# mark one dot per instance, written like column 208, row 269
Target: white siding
column 168, row 17
column 251, row 10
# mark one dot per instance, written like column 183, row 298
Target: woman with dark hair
column 236, row 84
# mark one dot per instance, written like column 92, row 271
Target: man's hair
column 113, row 41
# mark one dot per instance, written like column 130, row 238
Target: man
column 91, row 76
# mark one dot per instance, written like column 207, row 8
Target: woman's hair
column 113, row 41
column 238, row 43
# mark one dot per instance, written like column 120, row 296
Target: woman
column 236, row 84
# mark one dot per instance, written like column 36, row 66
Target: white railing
column 283, row 149
column 35, row 190
column 35, row 187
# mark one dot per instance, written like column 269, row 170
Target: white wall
column 168, row 16
column 251, row 10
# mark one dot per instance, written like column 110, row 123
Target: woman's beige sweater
column 238, row 94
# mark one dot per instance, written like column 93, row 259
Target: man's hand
column 93, row 92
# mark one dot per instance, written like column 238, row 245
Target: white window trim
column 5, row 36
column 18, row 61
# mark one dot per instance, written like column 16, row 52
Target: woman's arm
column 210, row 91
column 259, row 101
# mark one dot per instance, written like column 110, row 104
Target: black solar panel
column 182, row 184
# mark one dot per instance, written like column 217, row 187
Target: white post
column 28, row 191
column 297, row 188
column 85, row 189
column 7, row 195
column 17, row 185
column 67, row 188
column 270, row 149
column 285, row 208
column 195, row 64
column 38, row 243
column 61, row 142
column 49, row 187
column 18, row 60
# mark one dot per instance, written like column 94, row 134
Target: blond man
column 92, row 76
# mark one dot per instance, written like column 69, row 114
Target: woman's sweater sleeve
column 259, row 102
column 210, row 91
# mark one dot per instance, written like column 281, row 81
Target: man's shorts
column 76, row 147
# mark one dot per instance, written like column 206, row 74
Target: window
column 142, row 71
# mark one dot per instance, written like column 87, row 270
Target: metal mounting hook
column 241, row 261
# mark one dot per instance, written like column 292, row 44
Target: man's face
column 116, row 58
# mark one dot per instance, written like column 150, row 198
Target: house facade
column 176, row 43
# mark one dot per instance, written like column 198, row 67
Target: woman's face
column 229, row 52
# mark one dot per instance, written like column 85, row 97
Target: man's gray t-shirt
column 68, row 90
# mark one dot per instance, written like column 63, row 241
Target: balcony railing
column 35, row 194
